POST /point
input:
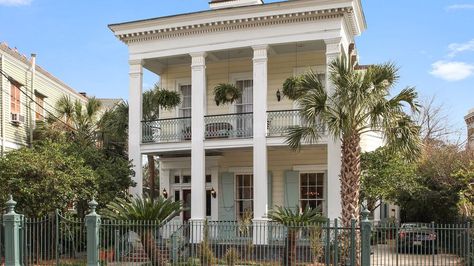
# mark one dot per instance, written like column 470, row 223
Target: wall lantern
column 165, row 193
column 213, row 193
column 278, row 94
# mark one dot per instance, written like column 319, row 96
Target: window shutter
column 226, row 197
column 270, row 190
column 291, row 189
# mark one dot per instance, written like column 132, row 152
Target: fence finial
column 10, row 204
column 93, row 205
column 365, row 214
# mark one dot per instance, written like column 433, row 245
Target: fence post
column 93, row 226
column 11, row 223
column 366, row 230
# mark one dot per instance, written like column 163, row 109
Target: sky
column 432, row 42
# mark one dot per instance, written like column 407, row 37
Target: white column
column 134, row 125
column 260, row 167
column 333, row 51
column 198, row 157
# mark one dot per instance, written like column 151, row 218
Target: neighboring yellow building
column 33, row 99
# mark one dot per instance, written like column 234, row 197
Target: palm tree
column 143, row 211
column 78, row 119
column 360, row 103
column 116, row 121
column 294, row 220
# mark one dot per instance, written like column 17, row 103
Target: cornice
column 236, row 24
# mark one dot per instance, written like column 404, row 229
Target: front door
column 187, row 204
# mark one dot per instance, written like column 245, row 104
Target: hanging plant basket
column 226, row 93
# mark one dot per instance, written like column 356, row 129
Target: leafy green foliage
column 387, row 176
column 45, row 178
column 226, row 93
column 143, row 209
column 444, row 171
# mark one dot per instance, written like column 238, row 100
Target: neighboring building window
column 312, row 190
column 15, row 107
column 244, row 195
column 185, row 109
column 39, row 111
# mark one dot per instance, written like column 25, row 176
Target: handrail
column 231, row 114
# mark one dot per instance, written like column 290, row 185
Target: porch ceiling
column 159, row 65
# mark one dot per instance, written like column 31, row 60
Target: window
column 245, row 103
column 15, row 99
column 208, row 178
column 312, row 190
column 186, row 179
column 244, row 195
column 208, row 203
column 39, row 110
column 185, row 109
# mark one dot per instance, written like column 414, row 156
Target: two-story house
column 28, row 93
column 225, row 160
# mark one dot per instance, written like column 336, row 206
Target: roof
column 109, row 103
column 15, row 54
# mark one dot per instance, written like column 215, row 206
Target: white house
column 237, row 152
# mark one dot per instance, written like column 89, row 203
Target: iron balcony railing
column 167, row 130
column 225, row 126
column 279, row 122
column 238, row 125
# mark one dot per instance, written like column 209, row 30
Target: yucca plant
column 146, row 209
column 294, row 220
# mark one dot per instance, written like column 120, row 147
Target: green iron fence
column 59, row 239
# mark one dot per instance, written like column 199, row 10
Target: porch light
column 165, row 193
column 213, row 193
column 278, row 95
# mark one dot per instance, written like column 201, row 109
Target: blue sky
column 433, row 44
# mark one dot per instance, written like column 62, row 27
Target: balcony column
column 260, row 168
column 333, row 51
column 134, row 125
column 198, row 156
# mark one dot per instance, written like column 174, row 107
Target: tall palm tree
column 360, row 103
column 153, row 101
column 141, row 212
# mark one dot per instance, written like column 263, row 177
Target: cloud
column 15, row 2
column 451, row 71
column 456, row 48
column 461, row 6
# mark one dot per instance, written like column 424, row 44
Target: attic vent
column 217, row 4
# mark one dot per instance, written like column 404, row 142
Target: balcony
column 225, row 126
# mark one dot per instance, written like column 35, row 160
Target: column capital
column 198, row 59
column 260, row 52
column 333, row 45
column 135, row 67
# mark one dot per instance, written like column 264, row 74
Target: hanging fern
column 226, row 93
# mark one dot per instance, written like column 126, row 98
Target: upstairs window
column 39, row 110
column 185, row 109
column 15, row 107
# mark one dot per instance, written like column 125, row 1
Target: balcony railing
column 239, row 125
column 226, row 126
column 279, row 122
column 167, row 130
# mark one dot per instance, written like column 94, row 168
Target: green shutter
column 270, row 189
column 291, row 189
column 226, row 197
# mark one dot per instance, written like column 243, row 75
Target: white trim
column 311, row 168
column 12, row 145
column 241, row 170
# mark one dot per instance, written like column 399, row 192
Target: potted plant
column 226, row 93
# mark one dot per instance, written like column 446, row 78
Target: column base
column 197, row 230
column 261, row 231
